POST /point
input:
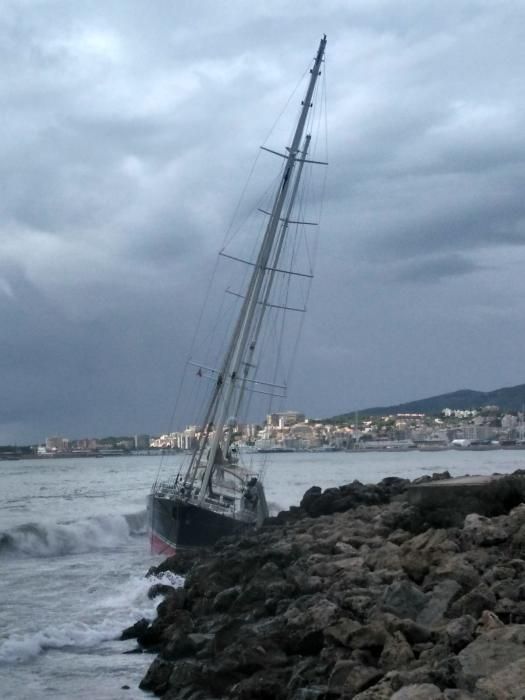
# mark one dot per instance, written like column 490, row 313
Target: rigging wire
column 276, row 318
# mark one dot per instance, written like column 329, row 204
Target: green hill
column 507, row 399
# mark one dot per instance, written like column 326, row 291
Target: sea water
column 74, row 553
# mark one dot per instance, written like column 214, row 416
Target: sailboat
column 215, row 494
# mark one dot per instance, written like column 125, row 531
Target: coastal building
column 141, row 442
column 479, row 432
column 285, row 419
column 57, row 444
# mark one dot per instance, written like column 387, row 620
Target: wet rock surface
column 350, row 595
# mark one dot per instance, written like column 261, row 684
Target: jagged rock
column 506, row 684
column 385, row 557
column 419, row 691
column 157, row 677
column 488, row 621
column 457, row 568
column 345, row 548
column 269, row 684
column 174, row 600
column 474, row 602
column 225, row 599
column 404, row 599
column 178, row 564
column 346, row 597
column 461, row 632
column 341, row 631
column 483, row 531
column 412, row 631
column 350, row 677
column 518, row 541
column 311, row 693
column 379, row 691
column 490, row 652
column 396, row 652
column 135, row 630
column 439, row 601
column 372, row 636
column 415, row 566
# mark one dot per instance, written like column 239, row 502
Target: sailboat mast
column 229, row 374
column 269, row 284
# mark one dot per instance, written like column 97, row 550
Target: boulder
column 506, row 684
column 483, row 531
column 439, row 600
column 135, row 630
column 340, row 599
column 460, row 632
column 419, row 691
column 157, row 677
column 491, row 652
column 396, row 652
column 404, row 599
column 350, row 677
column 474, row 602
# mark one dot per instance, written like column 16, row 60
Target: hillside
column 507, row 398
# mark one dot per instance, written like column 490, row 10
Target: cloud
column 435, row 270
column 128, row 134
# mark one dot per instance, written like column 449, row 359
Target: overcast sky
column 128, row 129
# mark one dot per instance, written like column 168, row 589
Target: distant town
column 291, row 431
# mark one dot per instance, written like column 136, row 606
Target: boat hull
column 175, row 524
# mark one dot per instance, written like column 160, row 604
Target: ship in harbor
column 218, row 491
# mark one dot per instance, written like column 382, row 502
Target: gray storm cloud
column 128, row 131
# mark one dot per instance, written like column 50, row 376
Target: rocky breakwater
column 350, row 595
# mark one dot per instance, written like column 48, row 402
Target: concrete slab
column 446, row 502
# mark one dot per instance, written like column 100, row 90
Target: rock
column 461, row 632
column 404, row 599
column 157, row 677
column 340, row 599
column 311, row 693
column 341, row 631
column 439, row 601
column 518, row 541
column 135, row 630
column 492, row 651
column 178, row 564
column 474, row 603
column 506, row 684
column 482, row 531
column 457, row 568
column 159, row 589
column 385, row 557
column 345, row 548
column 396, row 652
column 415, row 566
column 269, row 684
column 187, row 673
column 225, row 598
column 488, row 621
column 419, row 691
column 372, row 636
column 379, row 691
column 349, row 677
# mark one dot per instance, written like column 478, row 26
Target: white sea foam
column 74, row 537
column 105, row 621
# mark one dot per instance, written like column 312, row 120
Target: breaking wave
column 73, row 537
column 108, row 618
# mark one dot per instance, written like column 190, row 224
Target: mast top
column 320, row 51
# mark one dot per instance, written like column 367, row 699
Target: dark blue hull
column 176, row 524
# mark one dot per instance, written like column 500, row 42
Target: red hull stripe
column 160, row 545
